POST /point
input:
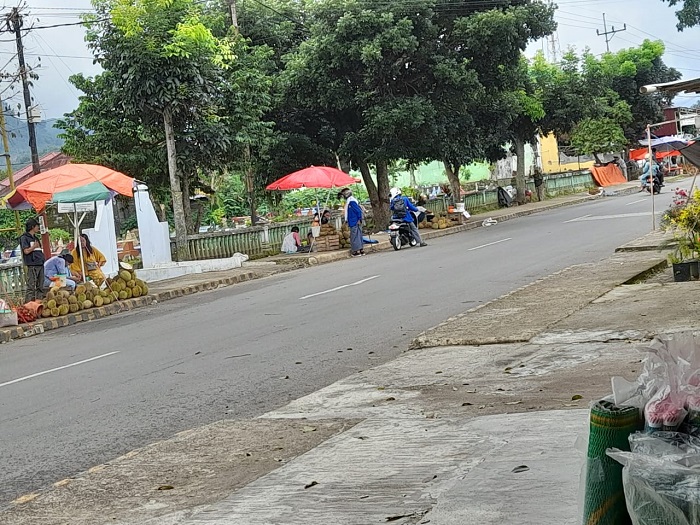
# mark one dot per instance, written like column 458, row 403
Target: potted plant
column 684, row 217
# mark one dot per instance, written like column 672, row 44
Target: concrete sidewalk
column 193, row 283
column 477, row 430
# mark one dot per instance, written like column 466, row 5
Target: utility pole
column 14, row 22
column 8, row 161
column 611, row 33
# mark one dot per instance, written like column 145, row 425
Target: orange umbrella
column 41, row 188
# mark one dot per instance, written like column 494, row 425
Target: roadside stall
column 77, row 189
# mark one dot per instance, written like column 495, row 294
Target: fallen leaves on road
column 576, row 397
column 521, row 468
column 467, row 404
column 166, row 487
column 308, row 429
column 312, row 484
column 513, row 403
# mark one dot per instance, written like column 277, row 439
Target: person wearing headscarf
column 354, row 218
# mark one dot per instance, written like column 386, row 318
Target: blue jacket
column 54, row 266
column 409, row 208
column 354, row 213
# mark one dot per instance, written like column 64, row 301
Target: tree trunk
column 181, row 248
column 343, row 164
column 380, row 206
column 412, row 176
column 452, row 172
column 186, row 204
column 520, row 185
column 382, row 214
column 250, row 185
column 597, row 158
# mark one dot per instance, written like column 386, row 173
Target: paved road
column 244, row 350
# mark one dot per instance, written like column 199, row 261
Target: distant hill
column 46, row 138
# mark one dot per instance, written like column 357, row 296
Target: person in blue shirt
column 354, row 217
column 405, row 215
column 58, row 264
column 650, row 169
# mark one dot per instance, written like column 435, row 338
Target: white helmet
column 394, row 192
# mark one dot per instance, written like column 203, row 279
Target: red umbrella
column 313, row 177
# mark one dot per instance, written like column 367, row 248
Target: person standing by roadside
column 354, row 217
column 33, row 258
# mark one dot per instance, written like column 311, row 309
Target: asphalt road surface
column 79, row 396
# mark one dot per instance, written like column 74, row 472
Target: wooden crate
column 327, row 243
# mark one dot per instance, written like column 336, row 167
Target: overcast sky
column 63, row 51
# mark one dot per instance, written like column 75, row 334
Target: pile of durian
column 121, row 287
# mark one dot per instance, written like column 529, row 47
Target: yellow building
column 553, row 161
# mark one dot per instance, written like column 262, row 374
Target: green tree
column 689, row 13
column 167, row 67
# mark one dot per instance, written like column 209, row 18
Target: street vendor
column 92, row 259
column 58, row 265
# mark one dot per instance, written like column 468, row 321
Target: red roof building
column 47, row 162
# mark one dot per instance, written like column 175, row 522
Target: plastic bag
column 660, row 490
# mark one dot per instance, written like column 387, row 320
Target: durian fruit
column 129, row 293
column 107, row 300
column 136, row 291
column 87, row 304
column 122, row 284
column 64, row 293
column 115, row 295
column 104, row 293
column 122, row 295
column 99, row 301
column 82, row 297
column 80, row 290
column 144, row 289
column 125, row 275
column 46, row 312
column 51, row 304
column 131, row 283
column 63, row 309
column 73, row 307
column 55, row 312
column 72, row 300
column 51, row 294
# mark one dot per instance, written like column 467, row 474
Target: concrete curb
column 52, row 323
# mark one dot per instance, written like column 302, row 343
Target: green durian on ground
column 73, row 307
column 72, row 300
column 87, row 304
column 122, row 295
column 55, row 312
column 99, row 301
column 124, row 275
column 63, row 309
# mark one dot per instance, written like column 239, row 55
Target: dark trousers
column 35, row 283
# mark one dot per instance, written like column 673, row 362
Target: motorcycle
column 400, row 234
column 656, row 184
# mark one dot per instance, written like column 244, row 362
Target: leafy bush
column 56, row 234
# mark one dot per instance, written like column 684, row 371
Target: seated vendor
column 292, row 242
column 326, row 217
column 92, row 260
column 58, row 265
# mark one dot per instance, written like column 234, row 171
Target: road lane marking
column 56, row 369
column 336, row 288
column 578, row 218
column 635, row 202
column 489, row 244
column 617, row 216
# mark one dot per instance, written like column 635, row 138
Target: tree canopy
column 353, row 83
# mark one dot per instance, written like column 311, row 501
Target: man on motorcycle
column 401, row 207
